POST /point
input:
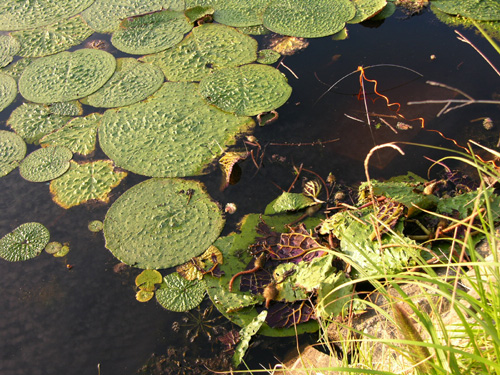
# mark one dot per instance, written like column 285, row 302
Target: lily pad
column 79, row 135
column 29, row 14
column 144, row 295
column 84, row 182
column 175, row 123
column 308, row 18
column 151, row 33
column 62, row 252
column 237, row 13
column 12, row 151
column 268, row 56
column 195, row 268
column 104, row 16
column 147, row 280
column 132, row 82
column 17, row 68
column 45, row 164
column 179, row 294
column 95, row 226
column 9, row 47
column 198, row 12
column 207, row 47
column 72, row 108
column 155, row 224
column 483, row 10
column 53, row 247
column 33, row 121
column 246, row 90
column 25, row 242
column 47, row 40
column 66, row 75
column 8, row 90
column 366, row 9
column 291, row 202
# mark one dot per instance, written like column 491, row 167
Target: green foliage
column 53, row 247
column 268, row 56
column 155, row 224
column 198, row 12
column 45, row 164
column 483, row 10
column 17, row 68
column 146, row 282
column 246, row 90
column 246, row 334
column 291, row 202
column 25, row 242
column 72, row 108
column 50, row 39
column 66, row 75
column 9, row 47
column 8, row 90
column 84, row 182
column 366, row 9
column 179, row 294
column 151, row 33
column 95, row 226
column 206, row 48
column 333, row 295
column 12, row 151
column 237, row 13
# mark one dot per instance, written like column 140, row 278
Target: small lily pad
column 72, row 108
column 247, row 90
column 9, row 47
column 66, row 75
column 144, row 295
column 62, row 252
column 268, row 56
column 179, row 294
column 12, row 151
column 84, row 182
column 95, row 226
column 53, row 247
column 45, row 164
column 147, row 280
column 25, row 242
column 8, row 90
column 151, row 33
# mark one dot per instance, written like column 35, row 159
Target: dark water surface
column 54, row 320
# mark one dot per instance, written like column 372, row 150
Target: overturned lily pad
column 175, row 123
column 151, row 33
column 45, row 164
column 28, row 14
column 12, row 151
column 179, row 294
column 79, row 135
column 246, row 90
column 9, row 47
column 84, row 182
column 132, row 82
column 206, row 48
column 308, row 18
column 237, row 13
column 155, row 224
column 198, row 12
column 8, row 90
column 484, row 10
column 66, row 75
column 33, row 121
column 50, row 39
column 25, row 242
column 366, row 9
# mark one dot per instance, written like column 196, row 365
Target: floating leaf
column 95, row 226
column 53, row 247
column 267, row 56
column 144, row 295
column 84, row 182
column 62, row 252
column 33, row 121
column 291, row 202
column 8, row 90
column 155, row 224
column 79, row 135
column 147, row 280
column 151, row 33
column 175, row 123
column 17, row 68
column 28, row 14
column 247, row 90
column 483, row 10
column 72, row 108
column 47, row 40
column 179, row 294
column 132, row 82
column 12, row 151
column 306, row 18
column 198, row 12
column 238, row 13
column 9, row 47
column 207, row 47
column 25, row 242
column 104, row 16
column 195, row 268
column 366, row 9
column 45, row 164
column 246, row 334
column 288, row 45
column 66, row 75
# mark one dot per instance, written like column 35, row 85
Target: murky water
column 59, row 320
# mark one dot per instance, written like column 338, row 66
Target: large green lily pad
column 29, row 14
column 482, row 10
column 155, row 224
column 178, row 294
column 47, row 40
column 66, row 75
column 25, row 242
column 84, row 182
column 8, row 90
column 45, row 164
column 207, row 47
column 237, row 13
column 9, row 47
column 33, row 121
column 104, row 16
column 79, row 135
column 12, row 151
column 308, row 18
column 246, row 90
column 132, row 82
column 174, row 133
column 151, row 33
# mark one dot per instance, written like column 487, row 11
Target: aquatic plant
column 45, row 164
column 8, row 90
column 95, row 226
column 9, row 47
column 13, row 150
column 484, row 10
column 25, row 242
column 146, row 283
column 236, row 13
column 178, row 294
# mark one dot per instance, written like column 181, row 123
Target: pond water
column 59, row 320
